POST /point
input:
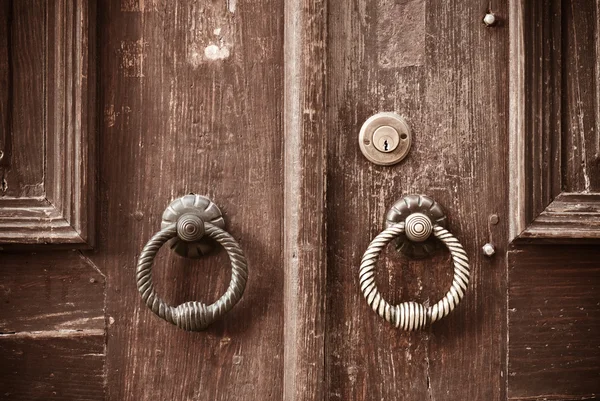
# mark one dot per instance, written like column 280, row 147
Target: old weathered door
column 111, row 109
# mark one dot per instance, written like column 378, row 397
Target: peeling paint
column 132, row 56
column 401, row 34
column 214, row 52
column 138, row 5
column 231, row 5
column 110, row 117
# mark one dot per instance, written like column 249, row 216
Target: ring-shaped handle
column 194, row 315
column 412, row 316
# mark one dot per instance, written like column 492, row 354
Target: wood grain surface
column 5, row 83
column 50, row 291
column 191, row 100
column 554, row 140
column 258, row 106
column 305, row 218
column 24, row 177
column 581, row 116
column 450, row 82
column 59, row 366
column 571, row 218
column 48, row 179
column 554, row 323
column 52, row 327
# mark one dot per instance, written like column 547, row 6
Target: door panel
column 554, row 315
column 449, row 82
column 190, row 98
column 52, row 327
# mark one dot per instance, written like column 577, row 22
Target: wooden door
column 111, row 109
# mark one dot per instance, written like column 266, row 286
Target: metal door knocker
column 412, row 221
column 189, row 220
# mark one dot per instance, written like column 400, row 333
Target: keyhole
column 386, row 145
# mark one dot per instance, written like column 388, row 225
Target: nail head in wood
column 490, row 19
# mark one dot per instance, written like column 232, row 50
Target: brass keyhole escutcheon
column 385, row 138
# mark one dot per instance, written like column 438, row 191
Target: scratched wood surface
column 50, row 291
column 436, row 64
column 191, row 101
column 305, row 214
column 554, row 323
column 581, row 118
column 553, row 313
column 24, row 173
column 51, row 327
column 5, row 80
column 53, row 366
column 263, row 118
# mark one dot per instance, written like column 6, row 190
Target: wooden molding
column 305, row 226
column 65, row 215
column 539, row 209
column 574, row 213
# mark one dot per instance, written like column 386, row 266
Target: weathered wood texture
column 191, row 95
column 575, row 213
column 62, row 366
column 553, row 302
column 440, row 67
column 52, row 327
column 535, row 130
column 581, row 107
column 554, row 323
column 71, row 114
column 5, row 86
column 50, row 292
column 554, row 114
column 25, row 174
column 48, row 188
column 305, row 169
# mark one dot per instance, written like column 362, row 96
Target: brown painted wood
column 52, row 327
column 5, row 84
column 581, row 150
column 60, row 366
column 447, row 78
column 305, row 228
column 258, row 106
column 554, row 121
column 173, row 122
column 570, row 217
column 536, row 57
column 552, row 292
column 53, row 143
column 50, row 292
column 554, row 323
column 25, row 174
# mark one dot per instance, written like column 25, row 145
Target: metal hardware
column 418, row 227
column 488, row 250
column 190, row 229
column 494, row 219
column 385, row 139
column 412, row 316
column 489, row 19
column 407, row 206
column 197, row 205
